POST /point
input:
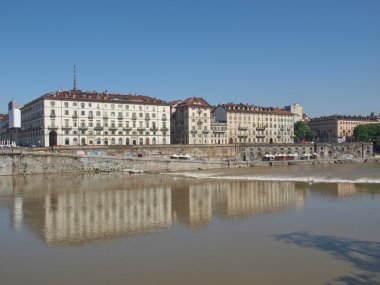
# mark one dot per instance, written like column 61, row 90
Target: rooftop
column 249, row 108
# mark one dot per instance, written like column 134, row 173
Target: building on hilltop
column 253, row 124
column 297, row 110
column 338, row 128
column 78, row 117
column 191, row 121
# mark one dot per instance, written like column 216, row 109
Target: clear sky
column 324, row 54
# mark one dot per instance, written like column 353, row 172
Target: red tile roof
column 194, row 102
column 249, row 108
column 102, row 96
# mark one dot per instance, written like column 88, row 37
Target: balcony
column 90, row 117
column 164, row 129
column 75, row 116
column 193, row 131
column 98, row 128
column 260, row 136
column 67, row 127
column 242, row 136
column 119, row 117
column 83, row 128
column 105, row 117
column 154, row 129
column 52, row 127
column 261, row 128
column 147, row 117
column 127, row 129
column 113, row 128
column 141, row 129
column 52, row 115
column 164, row 118
column 134, row 117
column 205, row 131
column 241, row 128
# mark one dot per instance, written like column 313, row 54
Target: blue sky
column 323, row 54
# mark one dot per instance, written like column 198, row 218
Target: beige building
column 297, row 110
column 338, row 128
column 191, row 122
column 77, row 117
column 253, row 124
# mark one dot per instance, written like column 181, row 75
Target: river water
column 281, row 225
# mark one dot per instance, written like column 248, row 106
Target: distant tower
column 75, row 79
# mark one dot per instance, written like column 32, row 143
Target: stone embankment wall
column 229, row 151
column 155, row 158
column 48, row 163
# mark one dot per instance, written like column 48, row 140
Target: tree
column 369, row 132
column 303, row 132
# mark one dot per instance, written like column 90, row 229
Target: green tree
column 369, row 132
column 303, row 132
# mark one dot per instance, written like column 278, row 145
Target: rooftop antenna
column 75, row 79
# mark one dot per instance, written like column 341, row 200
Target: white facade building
column 90, row 118
column 297, row 110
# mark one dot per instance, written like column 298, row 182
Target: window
column 66, row 104
column 66, row 112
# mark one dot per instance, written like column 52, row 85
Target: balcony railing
column 241, row 128
column 154, row 129
column 98, row 128
column 261, row 128
column 242, row 136
column 205, row 131
column 113, row 128
column 75, row 116
column 90, row 117
column 260, row 136
column 52, row 127
column 82, row 128
column 164, row 129
column 127, row 129
column 67, row 127
column 53, row 115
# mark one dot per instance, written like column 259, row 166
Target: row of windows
column 105, row 105
column 105, row 114
column 112, row 141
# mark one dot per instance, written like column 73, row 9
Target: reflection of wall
column 241, row 198
column 77, row 217
column 337, row 189
column 192, row 204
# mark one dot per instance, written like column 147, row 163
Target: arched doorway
column 106, row 141
column 271, row 141
column 83, row 141
column 154, row 141
column 231, row 141
column 67, row 141
column 52, row 138
column 147, row 141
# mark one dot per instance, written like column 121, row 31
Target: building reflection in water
column 77, row 209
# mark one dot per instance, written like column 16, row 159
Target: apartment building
column 190, row 121
column 253, row 124
column 338, row 128
column 78, row 117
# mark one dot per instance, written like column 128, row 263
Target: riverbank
column 28, row 163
